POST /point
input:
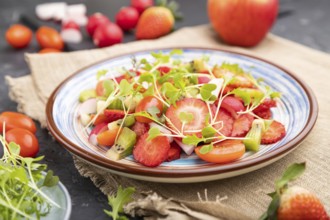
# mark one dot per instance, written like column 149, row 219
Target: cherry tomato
column 108, row 137
column 18, row 36
column 127, row 18
column 49, row 50
column 25, row 139
column 144, row 105
column 48, row 37
column 141, row 5
column 223, row 152
column 16, row 120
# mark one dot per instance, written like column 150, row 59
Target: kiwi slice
column 123, row 146
column 87, row 94
column 128, row 122
column 199, row 65
column 253, row 137
column 116, row 104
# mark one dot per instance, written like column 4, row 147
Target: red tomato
column 18, row 36
column 107, row 34
column 16, row 120
column 49, row 50
column 25, row 139
column 146, row 103
column 48, row 37
column 223, row 152
column 127, row 18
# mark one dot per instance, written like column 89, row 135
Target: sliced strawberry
column 203, row 79
column 140, row 128
column 99, row 128
column 265, row 114
column 242, row 125
column 113, row 114
column 174, row 152
column 265, row 105
column 164, row 69
column 274, row 133
column 196, row 107
column 151, row 153
column 232, row 105
column 224, row 122
column 101, row 118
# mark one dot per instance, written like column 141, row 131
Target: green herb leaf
column 152, row 133
column 50, row 180
column 176, row 52
column 125, row 88
column 208, row 131
column 206, row 91
column 101, row 73
column 234, row 68
column 109, row 87
column 206, row 149
column 153, row 110
column 186, row 117
column 192, row 140
column 291, row 173
column 170, row 92
column 118, row 201
column 14, row 148
column 271, row 213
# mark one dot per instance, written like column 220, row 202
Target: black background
column 303, row 21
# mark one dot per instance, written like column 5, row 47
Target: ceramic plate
column 297, row 110
column 60, row 195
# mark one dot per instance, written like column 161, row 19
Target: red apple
column 242, row 22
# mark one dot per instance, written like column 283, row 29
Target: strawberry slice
column 151, row 153
column 224, row 122
column 140, row 128
column 242, row 125
column 196, row 107
column 274, row 133
column 232, row 105
column 174, row 152
column 164, row 69
column 113, row 114
column 265, row 114
column 203, row 79
column 265, row 105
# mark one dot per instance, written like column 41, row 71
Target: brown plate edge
column 180, row 173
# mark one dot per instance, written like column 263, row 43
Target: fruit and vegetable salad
column 162, row 108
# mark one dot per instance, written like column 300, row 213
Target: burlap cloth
column 246, row 194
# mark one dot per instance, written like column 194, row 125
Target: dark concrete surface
column 303, row 21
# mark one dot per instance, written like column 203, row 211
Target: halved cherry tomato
column 146, row 103
column 223, row 152
column 48, row 37
column 16, row 120
column 18, row 36
column 108, row 137
column 25, row 139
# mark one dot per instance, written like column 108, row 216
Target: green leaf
column 153, row 110
column 160, row 57
column 117, row 202
column 234, row 68
column 170, row 92
column 176, row 52
column 50, row 180
column 20, row 174
column 109, row 87
column 125, row 88
column 192, row 140
column 146, row 77
column 208, row 131
column 206, row 149
column 153, row 132
column 249, row 96
column 290, row 174
column 14, row 148
column 275, row 95
column 271, row 213
column 186, row 117
column 101, row 73
column 206, row 91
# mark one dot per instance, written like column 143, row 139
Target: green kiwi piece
column 87, row 94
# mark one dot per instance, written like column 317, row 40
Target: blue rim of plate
column 309, row 114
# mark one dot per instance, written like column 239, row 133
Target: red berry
column 164, row 69
column 265, row 105
column 140, row 128
column 196, row 107
column 174, row 152
column 203, row 79
column 300, row 204
column 232, row 105
column 113, row 114
column 94, row 21
column 151, row 153
column 107, row 34
column 127, row 18
column 274, row 133
column 141, row 5
column 265, row 114
column 224, row 122
column 242, row 125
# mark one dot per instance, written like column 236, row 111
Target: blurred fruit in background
column 107, row 34
column 127, row 18
column 241, row 22
column 18, row 36
column 48, row 37
column 141, row 5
